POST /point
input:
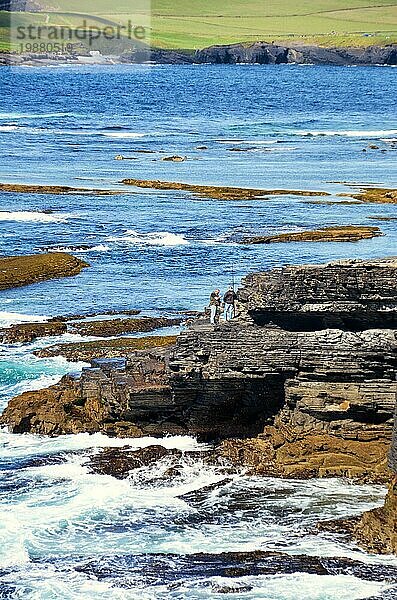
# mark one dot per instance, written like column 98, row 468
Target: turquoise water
column 300, row 128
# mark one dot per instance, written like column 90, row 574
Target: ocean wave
column 120, row 134
column 33, row 216
column 5, row 128
column 157, row 238
column 13, row 318
column 21, row 444
column 18, row 115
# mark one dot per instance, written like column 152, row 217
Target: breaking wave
column 157, row 238
column 33, row 217
column 12, row 318
column 77, row 249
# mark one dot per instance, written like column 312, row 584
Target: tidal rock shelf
column 27, row 332
column 16, row 271
column 347, row 233
column 217, row 192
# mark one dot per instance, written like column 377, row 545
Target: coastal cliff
column 265, row 53
column 262, row 53
column 301, row 384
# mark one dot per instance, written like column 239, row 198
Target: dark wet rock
column 200, row 495
column 174, row 158
column 158, row 56
column 16, row 271
column 231, row 589
column 118, row 462
column 173, row 567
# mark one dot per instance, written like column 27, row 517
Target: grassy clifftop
column 192, row 25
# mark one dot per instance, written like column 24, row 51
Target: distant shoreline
column 233, row 54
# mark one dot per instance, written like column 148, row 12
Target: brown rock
column 17, row 271
column 27, row 332
column 86, row 351
column 376, row 531
column 348, row 233
column 113, row 327
column 217, row 192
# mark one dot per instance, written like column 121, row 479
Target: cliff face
column 264, row 53
column 305, row 375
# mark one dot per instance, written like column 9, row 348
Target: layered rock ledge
column 301, row 384
column 16, row 271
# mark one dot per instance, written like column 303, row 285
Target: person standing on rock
column 215, row 306
column 229, row 300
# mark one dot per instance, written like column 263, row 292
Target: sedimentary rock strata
column 17, row 271
column 305, row 377
column 348, row 233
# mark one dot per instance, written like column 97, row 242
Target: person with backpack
column 229, row 300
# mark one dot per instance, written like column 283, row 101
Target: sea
column 66, row 533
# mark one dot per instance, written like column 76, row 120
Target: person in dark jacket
column 229, row 300
column 215, row 306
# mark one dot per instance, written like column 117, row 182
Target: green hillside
column 191, row 25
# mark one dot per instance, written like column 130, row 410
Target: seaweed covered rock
column 16, row 271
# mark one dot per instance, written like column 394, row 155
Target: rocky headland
column 301, row 384
column 274, row 54
column 16, row 271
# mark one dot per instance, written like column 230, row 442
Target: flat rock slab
column 218, row 192
column 16, row 271
column 349, row 233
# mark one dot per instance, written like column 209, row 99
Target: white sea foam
column 18, row 445
column 33, row 216
column 13, row 318
column 157, row 238
column 6, row 128
column 121, row 134
column 79, row 250
column 18, row 115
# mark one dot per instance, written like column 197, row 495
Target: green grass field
column 190, row 25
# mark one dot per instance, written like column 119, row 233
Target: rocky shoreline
column 263, row 53
column 302, row 384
